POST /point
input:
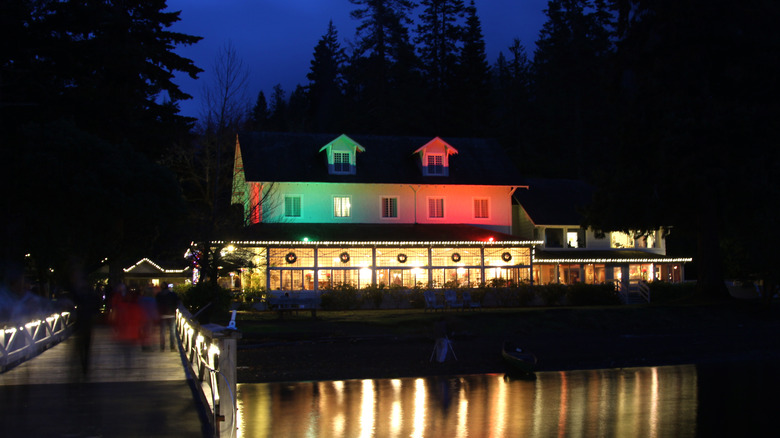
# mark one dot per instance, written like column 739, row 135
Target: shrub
column 581, row 294
column 551, row 294
column 372, row 296
column 340, row 297
column 198, row 296
column 664, row 292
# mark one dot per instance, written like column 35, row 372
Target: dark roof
column 554, row 201
column 295, row 157
column 371, row 232
column 607, row 254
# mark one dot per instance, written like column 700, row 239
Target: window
column 292, row 206
column 436, row 164
column 480, row 208
column 341, row 206
column 575, row 238
column 389, row 207
column 620, row 239
column 341, row 162
column 435, row 207
column 553, row 238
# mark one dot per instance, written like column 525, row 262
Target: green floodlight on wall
column 305, row 239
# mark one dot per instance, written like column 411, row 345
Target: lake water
column 673, row 401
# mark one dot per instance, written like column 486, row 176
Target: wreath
column 455, row 257
column 401, row 258
column 291, row 257
column 344, row 257
column 506, row 256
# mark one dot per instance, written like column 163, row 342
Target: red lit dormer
column 434, row 157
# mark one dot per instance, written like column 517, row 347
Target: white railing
column 210, row 351
column 22, row 342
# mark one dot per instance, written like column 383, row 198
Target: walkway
column 122, row 395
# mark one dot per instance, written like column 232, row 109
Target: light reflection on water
column 648, row 402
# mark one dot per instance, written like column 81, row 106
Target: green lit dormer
column 342, row 154
column 434, row 157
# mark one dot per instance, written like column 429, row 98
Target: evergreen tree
column 439, row 39
column 298, row 111
column 110, row 66
column 471, row 87
column 278, row 118
column 570, row 83
column 88, row 100
column 512, row 112
column 325, row 90
column 259, row 120
column 697, row 132
column 383, row 69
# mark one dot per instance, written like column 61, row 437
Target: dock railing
column 23, row 341
column 210, row 353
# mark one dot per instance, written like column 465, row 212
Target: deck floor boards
column 125, row 393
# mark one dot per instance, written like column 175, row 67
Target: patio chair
column 430, row 301
column 451, row 299
column 468, row 303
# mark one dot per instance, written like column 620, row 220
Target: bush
column 198, row 296
column 372, row 296
column 581, row 294
column 340, row 297
column 551, row 294
column 662, row 292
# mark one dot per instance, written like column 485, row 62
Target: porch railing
column 636, row 291
column 210, row 352
column 22, row 342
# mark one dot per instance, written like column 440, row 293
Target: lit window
column 292, row 206
column 575, row 238
column 620, row 239
column 341, row 162
column 480, row 208
column 390, row 207
column 341, row 206
column 435, row 207
column 435, row 164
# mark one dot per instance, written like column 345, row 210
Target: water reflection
column 649, row 402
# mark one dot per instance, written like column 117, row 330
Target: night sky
column 276, row 38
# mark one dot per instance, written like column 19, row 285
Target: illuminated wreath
column 506, row 256
column 455, row 257
column 401, row 258
column 344, row 257
column 291, row 257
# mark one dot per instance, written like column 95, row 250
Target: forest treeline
column 668, row 108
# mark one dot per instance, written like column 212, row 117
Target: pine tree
column 382, row 69
column 325, row 90
column 278, row 118
column 259, row 119
column 570, row 78
column 472, row 80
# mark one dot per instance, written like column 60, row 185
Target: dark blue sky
column 276, row 38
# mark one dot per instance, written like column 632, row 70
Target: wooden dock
column 126, row 392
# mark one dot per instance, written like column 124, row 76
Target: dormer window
column 435, row 157
column 341, row 162
column 341, row 154
column 436, row 164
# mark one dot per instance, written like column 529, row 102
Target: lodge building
column 324, row 210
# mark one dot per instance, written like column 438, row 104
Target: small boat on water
column 517, row 359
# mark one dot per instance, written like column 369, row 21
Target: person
column 167, row 301
column 148, row 304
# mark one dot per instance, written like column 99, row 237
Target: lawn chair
column 467, row 303
column 451, row 299
column 430, row 301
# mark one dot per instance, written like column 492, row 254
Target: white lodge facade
column 326, row 210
